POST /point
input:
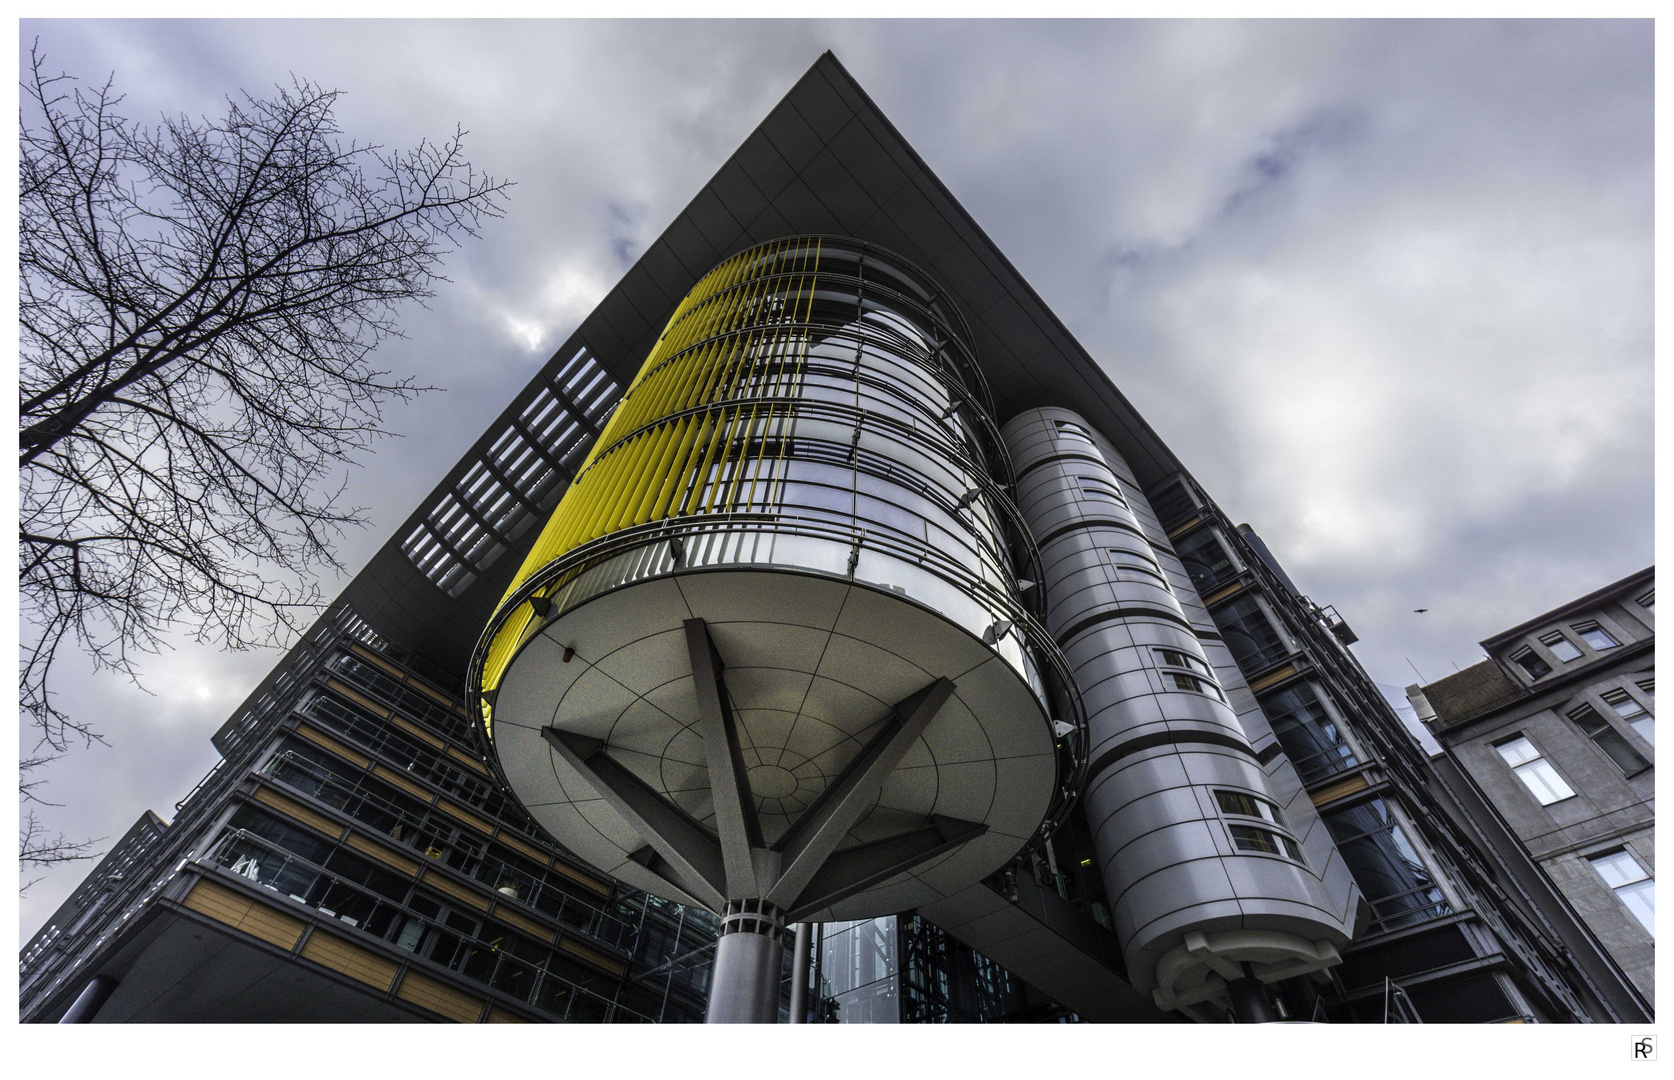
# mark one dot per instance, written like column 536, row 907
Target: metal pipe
column 92, row 999
column 800, row 959
column 1249, row 1000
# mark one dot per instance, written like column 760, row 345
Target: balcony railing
column 417, row 831
column 280, row 871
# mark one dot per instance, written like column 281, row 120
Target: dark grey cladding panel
column 717, row 224
column 641, row 289
column 875, row 171
column 624, row 318
column 601, row 335
column 769, row 225
column 964, row 273
column 790, row 135
column 832, row 184
column 695, row 253
column 820, row 105
column 914, row 213
column 804, row 210
column 741, row 196
column 764, row 165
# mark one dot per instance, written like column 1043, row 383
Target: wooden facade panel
column 415, row 731
column 374, row 659
column 339, row 687
column 327, row 742
column 581, row 877
column 497, row 1015
column 460, row 814
column 1339, row 790
column 467, row 760
column 593, row 956
column 459, row 892
column 439, row 998
column 362, row 965
column 383, row 854
column 384, row 772
column 1274, row 679
column 517, row 844
column 529, row 926
column 240, row 912
column 298, row 812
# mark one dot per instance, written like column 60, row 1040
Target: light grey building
column 1553, row 738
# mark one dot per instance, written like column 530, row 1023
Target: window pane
column 1618, row 868
column 1516, row 751
column 1646, row 725
column 1596, row 637
column 1543, row 781
column 1563, row 648
column 1640, row 898
column 1534, row 665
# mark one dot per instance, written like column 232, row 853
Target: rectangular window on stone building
column 1533, row 665
column 1634, row 714
column 1536, row 772
column 1615, row 747
column 1563, row 648
column 1593, row 634
column 1631, row 883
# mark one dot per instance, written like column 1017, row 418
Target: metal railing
column 272, row 867
column 420, row 833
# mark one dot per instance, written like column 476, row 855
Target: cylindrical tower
column 1209, row 883
column 770, row 654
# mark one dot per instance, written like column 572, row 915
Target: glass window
column 1618, row 749
column 1069, row 430
column 1311, row 738
column 1536, row 772
column 1250, row 634
column 1632, row 884
column 1648, row 601
column 1532, row 664
column 1563, row 648
column 1205, row 560
column 1176, row 658
column 1097, row 489
column 1394, row 880
column 1594, row 635
column 1636, row 716
column 1240, row 802
column 1181, row 681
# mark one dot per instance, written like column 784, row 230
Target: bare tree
column 37, row 846
column 199, row 300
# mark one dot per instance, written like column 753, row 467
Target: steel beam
column 689, row 850
column 860, row 868
column 735, row 806
column 815, row 835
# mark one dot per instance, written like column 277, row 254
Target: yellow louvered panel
column 497, row 1015
column 298, row 812
column 242, row 913
column 459, row 892
column 1339, row 790
column 326, row 741
column 672, row 431
column 591, row 955
column 382, row 854
column 362, row 965
column 439, row 998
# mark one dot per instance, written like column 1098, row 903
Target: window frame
column 1593, row 626
column 1609, row 741
column 1645, row 875
column 1518, row 768
column 1524, row 657
column 1556, row 640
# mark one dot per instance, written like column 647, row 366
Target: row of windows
column 1632, row 883
column 1545, row 783
column 1562, row 646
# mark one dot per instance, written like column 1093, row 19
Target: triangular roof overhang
column 825, row 160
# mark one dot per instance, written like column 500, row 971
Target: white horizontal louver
column 528, row 464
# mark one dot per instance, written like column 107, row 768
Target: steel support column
column 92, row 999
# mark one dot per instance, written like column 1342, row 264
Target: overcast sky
column 1385, row 288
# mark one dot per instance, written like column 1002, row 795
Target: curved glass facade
column 812, row 404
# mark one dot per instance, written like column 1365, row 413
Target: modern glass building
column 820, row 589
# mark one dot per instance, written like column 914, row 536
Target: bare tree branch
column 199, row 301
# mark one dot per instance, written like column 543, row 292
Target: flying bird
column 1419, row 610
